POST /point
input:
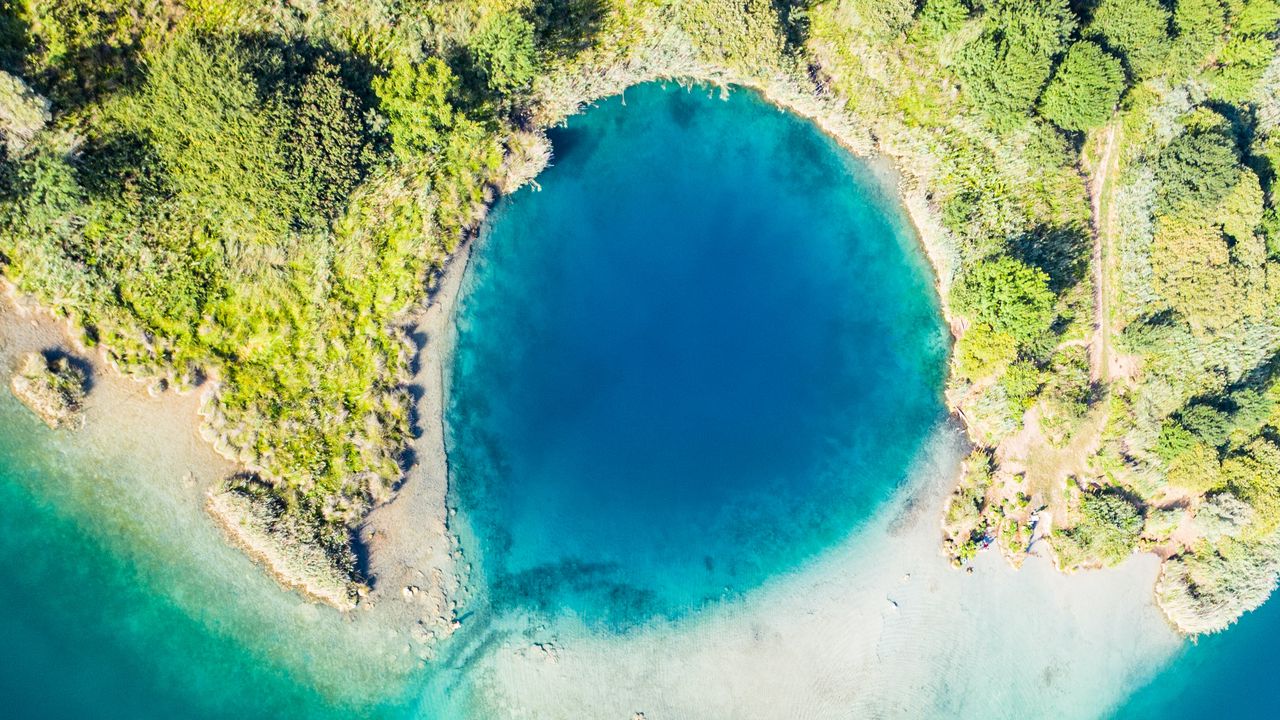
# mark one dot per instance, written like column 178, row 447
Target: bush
column 1069, row 394
column 1085, row 88
column 1196, row 469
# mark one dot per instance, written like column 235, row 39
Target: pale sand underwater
column 135, row 479
column 882, row 626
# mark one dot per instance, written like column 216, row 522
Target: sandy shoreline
column 414, row 556
column 879, row 626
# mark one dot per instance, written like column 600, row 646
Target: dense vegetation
column 251, row 192
column 224, row 192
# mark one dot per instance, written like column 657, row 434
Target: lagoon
column 701, row 352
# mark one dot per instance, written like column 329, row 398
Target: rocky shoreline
column 51, row 387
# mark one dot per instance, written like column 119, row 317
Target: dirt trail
column 1099, row 354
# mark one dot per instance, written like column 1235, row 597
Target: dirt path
column 1099, row 354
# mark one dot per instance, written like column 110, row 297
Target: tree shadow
column 53, row 355
column 1061, row 252
column 565, row 28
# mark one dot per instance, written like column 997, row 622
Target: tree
column 1198, row 168
column 325, row 139
column 415, row 99
column 1253, row 473
column 1200, row 25
column 502, row 53
column 1085, row 89
column 1107, row 531
column 939, row 17
column 1006, row 67
column 983, row 351
column 1008, row 295
column 1138, row 30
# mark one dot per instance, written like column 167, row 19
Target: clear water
column 1231, row 674
column 106, row 614
column 702, row 353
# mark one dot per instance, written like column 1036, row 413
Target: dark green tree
column 503, row 54
column 1085, row 88
column 1138, row 30
column 1197, row 169
column 1200, row 24
column 1010, row 296
column 325, row 139
column 1005, row 68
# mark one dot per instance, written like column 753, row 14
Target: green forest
column 251, row 194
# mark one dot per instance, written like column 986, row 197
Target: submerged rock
column 53, row 389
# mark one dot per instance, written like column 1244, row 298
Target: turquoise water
column 1231, row 674
column 702, row 353
column 98, row 622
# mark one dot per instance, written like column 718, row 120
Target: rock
column 52, row 389
column 421, row 633
column 410, row 592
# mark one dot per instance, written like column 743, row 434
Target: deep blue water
column 701, row 354
column 1230, row 674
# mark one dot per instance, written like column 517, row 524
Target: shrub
column 1196, row 469
column 1068, row 395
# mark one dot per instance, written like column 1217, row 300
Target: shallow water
column 701, row 354
column 122, row 600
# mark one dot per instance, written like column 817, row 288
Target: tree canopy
column 1085, row 88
